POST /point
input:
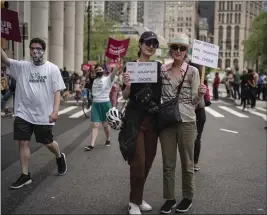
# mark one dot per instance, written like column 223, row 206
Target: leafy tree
column 101, row 30
column 255, row 45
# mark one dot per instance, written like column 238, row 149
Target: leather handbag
column 169, row 113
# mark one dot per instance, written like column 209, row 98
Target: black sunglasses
column 180, row 48
column 152, row 42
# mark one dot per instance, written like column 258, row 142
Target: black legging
column 245, row 96
column 201, row 119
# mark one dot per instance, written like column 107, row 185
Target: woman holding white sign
column 181, row 93
column 138, row 137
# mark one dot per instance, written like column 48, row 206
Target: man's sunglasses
column 152, row 42
column 180, row 48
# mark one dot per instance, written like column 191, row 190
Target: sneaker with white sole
column 145, row 207
column 133, row 209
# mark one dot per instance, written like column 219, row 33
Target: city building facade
column 181, row 17
column 60, row 24
column 232, row 24
column 97, row 8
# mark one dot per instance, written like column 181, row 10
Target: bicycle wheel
column 86, row 108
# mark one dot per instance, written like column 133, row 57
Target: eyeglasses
column 180, row 48
column 152, row 42
column 36, row 48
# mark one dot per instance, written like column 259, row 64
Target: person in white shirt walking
column 101, row 103
column 37, row 101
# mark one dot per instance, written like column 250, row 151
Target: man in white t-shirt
column 36, row 105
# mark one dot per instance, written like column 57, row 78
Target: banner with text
column 205, row 54
column 10, row 25
column 117, row 48
column 143, row 72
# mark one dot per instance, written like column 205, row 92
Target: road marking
column 80, row 113
column 66, row 110
column 256, row 113
column 233, row 112
column 261, row 109
column 213, row 112
column 73, row 101
column 235, row 132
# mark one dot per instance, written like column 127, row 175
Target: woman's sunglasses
column 180, row 48
column 152, row 42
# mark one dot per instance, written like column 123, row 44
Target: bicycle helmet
column 114, row 118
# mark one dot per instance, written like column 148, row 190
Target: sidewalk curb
column 41, row 163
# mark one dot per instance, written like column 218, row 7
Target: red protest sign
column 86, row 66
column 10, row 25
column 117, row 48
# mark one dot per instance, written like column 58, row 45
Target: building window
column 227, row 63
column 220, row 17
column 220, row 6
column 236, row 40
column 235, row 18
column 220, row 63
column 228, row 38
column 231, row 18
column 228, row 5
column 227, row 18
column 220, row 37
column 239, row 18
column 223, row 18
column 226, row 54
column 235, row 62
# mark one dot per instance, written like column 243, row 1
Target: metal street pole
column 89, row 30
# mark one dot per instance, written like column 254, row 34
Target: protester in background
column 236, row 84
column 138, row 137
column 244, row 89
column 182, row 134
column 78, row 91
column 101, row 104
column 37, row 102
column 253, row 79
column 216, row 84
column 114, row 93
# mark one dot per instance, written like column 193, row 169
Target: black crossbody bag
column 169, row 113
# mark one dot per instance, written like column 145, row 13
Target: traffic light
column 4, row 4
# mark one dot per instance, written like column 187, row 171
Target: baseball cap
column 148, row 35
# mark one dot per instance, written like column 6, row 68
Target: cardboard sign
column 117, row 48
column 205, row 54
column 10, row 25
column 143, row 72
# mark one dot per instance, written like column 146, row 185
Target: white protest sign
column 205, row 54
column 142, row 72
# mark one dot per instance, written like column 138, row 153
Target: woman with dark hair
column 138, row 137
column 200, row 119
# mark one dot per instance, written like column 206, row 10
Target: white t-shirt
column 35, row 88
column 101, row 89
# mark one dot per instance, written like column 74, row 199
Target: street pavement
column 232, row 179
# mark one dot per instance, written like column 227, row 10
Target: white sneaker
column 133, row 209
column 145, row 207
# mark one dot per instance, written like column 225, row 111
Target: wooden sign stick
column 203, row 74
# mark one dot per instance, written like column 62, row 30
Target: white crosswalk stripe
column 66, row 110
column 213, row 112
column 79, row 114
column 217, row 110
column 255, row 113
column 233, row 112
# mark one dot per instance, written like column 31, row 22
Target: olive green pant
column 182, row 135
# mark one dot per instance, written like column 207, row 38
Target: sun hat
column 181, row 39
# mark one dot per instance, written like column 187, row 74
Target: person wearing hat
column 181, row 135
column 138, row 137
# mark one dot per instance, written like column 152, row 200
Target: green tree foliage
column 101, row 30
column 256, row 44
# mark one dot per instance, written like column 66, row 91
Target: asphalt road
column 232, row 179
column 9, row 148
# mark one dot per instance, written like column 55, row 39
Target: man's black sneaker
column 107, row 143
column 89, row 148
column 168, row 206
column 21, row 181
column 62, row 165
column 184, row 205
